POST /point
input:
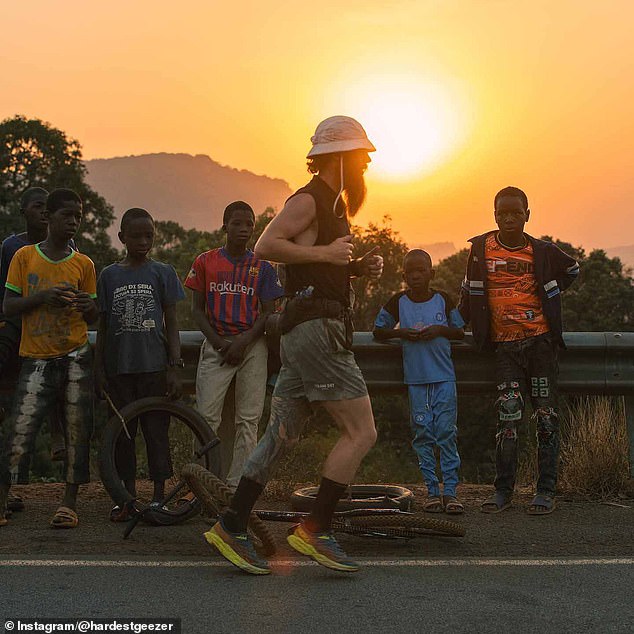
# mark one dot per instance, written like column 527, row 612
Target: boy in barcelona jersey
column 233, row 291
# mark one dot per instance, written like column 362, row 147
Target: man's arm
column 173, row 349
column 87, row 306
column 101, row 384
column 567, row 268
column 449, row 332
column 464, row 302
column 235, row 352
column 15, row 304
column 290, row 237
column 385, row 334
column 199, row 313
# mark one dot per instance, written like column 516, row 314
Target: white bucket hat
column 339, row 134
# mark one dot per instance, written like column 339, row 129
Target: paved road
column 406, row 595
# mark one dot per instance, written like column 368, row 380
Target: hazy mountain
column 626, row 254
column 192, row 190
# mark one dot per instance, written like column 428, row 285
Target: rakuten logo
column 233, row 289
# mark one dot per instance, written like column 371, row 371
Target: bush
column 594, row 451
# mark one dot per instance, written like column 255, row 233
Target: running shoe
column 322, row 547
column 237, row 548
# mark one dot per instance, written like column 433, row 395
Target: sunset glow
column 460, row 98
column 414, row 127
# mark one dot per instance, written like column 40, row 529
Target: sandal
column 124, row 513
column 541, row 505
column 64, row 517
column 453, row 506
column 497, row 503
column 433, row 504
column 188, row 498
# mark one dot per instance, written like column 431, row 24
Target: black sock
column 236, row 517
column 330, row 492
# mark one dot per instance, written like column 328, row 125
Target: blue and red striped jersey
column 233, row 288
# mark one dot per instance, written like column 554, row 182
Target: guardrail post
column 629, row 419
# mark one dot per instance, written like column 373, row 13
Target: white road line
column 293, row 563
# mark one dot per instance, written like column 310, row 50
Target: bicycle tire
column 410, row 524
column 215, row 496
column 113, row 428
column 162, row 516
column 359, row 496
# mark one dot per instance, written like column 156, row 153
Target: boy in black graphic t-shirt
column 138, row 347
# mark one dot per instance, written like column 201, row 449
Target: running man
column 311, row 235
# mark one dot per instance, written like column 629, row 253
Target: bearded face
column 354, row 165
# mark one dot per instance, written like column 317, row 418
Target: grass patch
column 594, row 450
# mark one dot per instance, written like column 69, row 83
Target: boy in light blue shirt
column 426, row 321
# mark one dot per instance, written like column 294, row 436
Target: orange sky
column 474, row 94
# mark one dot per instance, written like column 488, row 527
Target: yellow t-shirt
column 49, row 331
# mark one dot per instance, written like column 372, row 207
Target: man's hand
column 409, row 334
column 101, row 383
column 58, row 296
column 339, row 251
column 173, row 384
column 234, row 352
column 83, row 302
column 371, row 264
column 431, row 332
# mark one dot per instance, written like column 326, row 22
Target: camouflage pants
column 45, row 385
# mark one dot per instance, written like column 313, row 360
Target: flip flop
column 123, row 514
column 452, row 505
column 541, row 505
column 185, row 499
column 433, row 504
column 497, row 503
column 64, row 517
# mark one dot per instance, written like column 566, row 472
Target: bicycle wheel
column 359, row 496
column 400, row 525
column 191, row 430
column 215, row 496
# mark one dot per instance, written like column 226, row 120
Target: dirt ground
column 578, row 528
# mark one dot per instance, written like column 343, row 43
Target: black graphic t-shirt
column 133, row 301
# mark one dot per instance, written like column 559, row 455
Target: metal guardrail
column 596, row 363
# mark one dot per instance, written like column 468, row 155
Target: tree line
column 34, row 153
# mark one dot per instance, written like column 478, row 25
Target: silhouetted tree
column 369, row 295
column 33, row 153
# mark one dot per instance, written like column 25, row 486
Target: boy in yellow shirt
column 53, row 288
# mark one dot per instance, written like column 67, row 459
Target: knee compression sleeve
column 286, row 423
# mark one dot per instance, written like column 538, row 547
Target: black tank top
column 328, row 280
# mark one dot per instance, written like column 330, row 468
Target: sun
column 414, row 126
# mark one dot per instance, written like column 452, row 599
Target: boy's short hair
column 133, row 214
column 30, row 194
column 58, row 197
column 418, row 252
column 235, row 206
column 511, row 191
